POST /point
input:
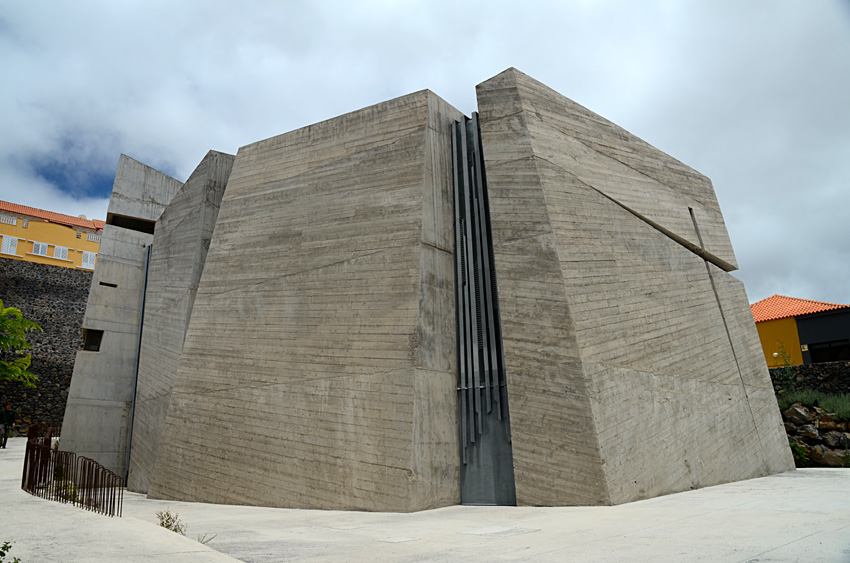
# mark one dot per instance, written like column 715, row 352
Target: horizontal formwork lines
column 306, row 327
column 605, row 136
column 278, row 167
column 304, row 402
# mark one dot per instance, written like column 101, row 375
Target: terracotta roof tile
column 60, row 218
column 781, row 307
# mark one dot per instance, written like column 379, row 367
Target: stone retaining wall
column 825, row 440
column 55, row 298
column 833, row 377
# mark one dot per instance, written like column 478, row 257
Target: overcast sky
column 754, row 94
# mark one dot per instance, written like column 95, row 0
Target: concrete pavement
column 797, row 516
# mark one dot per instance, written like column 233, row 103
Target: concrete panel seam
column 735, row 356
column 702, row 253
column 434, row 246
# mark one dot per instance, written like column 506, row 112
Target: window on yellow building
column 39, row 248
column 8, row 220
column 60, row 252
column 10, row 245
column 88, row 260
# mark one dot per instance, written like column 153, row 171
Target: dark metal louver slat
column 484, row 425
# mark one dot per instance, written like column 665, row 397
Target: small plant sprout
column 171, row 521
column 801, row 456
column 205, row 540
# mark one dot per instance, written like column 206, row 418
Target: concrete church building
column 403, row 308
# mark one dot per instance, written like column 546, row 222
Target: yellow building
column 796, row 331
column 45, row 237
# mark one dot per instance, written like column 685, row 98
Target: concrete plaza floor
column 802, row 515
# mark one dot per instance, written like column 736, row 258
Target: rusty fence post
column 63, row 477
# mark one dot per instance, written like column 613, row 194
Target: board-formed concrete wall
column 318, row 369
column 633, row 366
column 100, row 399
column 308, row 358
column 180, row 245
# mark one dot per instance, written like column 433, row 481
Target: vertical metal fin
column 482, row 386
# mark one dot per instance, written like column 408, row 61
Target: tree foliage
column 14, row 365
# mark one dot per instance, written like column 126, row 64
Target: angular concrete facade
column 100, row 400
column 320, row 346
column 308, row 359
column 178, row 255
column 632, row 365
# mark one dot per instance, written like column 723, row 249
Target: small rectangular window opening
column 108, row 284
column 132, row 223
column 92, row 339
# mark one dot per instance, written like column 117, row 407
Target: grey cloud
column 751, row 94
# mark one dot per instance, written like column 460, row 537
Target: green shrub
column 14, row 365
column 801, row 456
column 835, row 403
column 4, row 549
column 784, row 377
column 68, row 491
column 807, row 397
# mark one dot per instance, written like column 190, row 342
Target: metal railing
column 63, row 477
